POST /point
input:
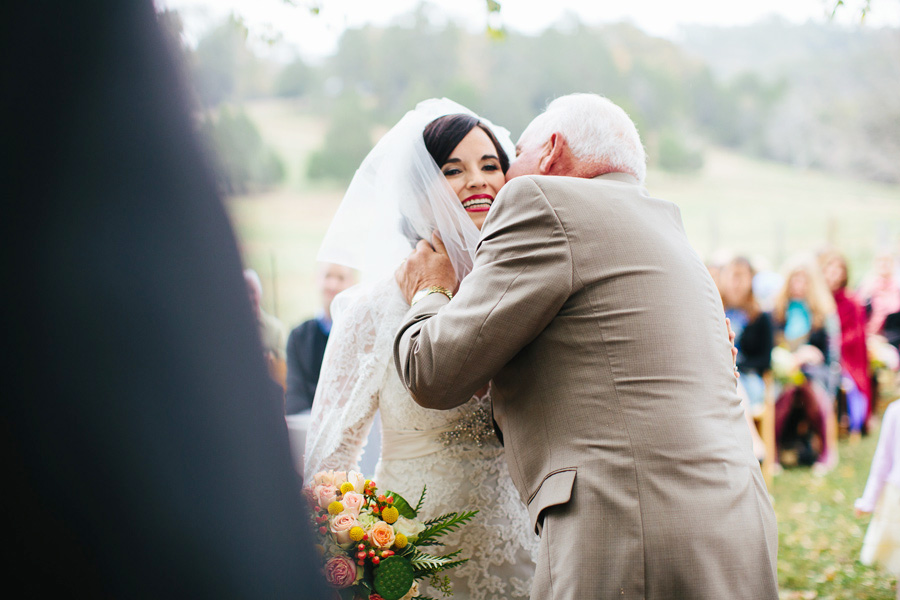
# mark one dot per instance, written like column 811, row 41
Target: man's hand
column 734, row 352
column 427, row 266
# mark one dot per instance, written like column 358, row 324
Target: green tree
column 676, row 154
column 244, row 162
column 346, row 143
column 295, row 80
column 224, row 67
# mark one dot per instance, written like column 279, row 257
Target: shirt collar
column 618, row 176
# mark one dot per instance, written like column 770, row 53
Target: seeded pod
column 394, row 577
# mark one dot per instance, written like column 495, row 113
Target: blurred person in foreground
column 271, row 329
column 881, row 497
column 807, row 360
column 306, row 344
column 603, row 336
column 145, row 456
column 754, row 337
column 855, row 379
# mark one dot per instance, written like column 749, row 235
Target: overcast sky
column 316, row 36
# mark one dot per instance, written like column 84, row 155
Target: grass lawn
column 819, row 538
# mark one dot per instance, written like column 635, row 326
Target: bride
column 439, row 169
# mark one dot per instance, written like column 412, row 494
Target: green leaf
column 444, row 524
column 429, row 564
column 402, row 505
column 497, row 34
column 493, row 6
column 421, row 499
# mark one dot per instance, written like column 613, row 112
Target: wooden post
column 831, row 233
column 780, row 246
column 274, row 278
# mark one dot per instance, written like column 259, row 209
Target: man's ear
column 552, row 154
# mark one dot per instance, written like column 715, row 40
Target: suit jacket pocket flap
column 555, row 489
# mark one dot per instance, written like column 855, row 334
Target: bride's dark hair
column 444, row 134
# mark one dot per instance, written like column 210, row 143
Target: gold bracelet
column 435, row 289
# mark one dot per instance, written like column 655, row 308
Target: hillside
column 745, row 205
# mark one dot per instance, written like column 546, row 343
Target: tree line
column 814, row 96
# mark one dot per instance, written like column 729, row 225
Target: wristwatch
column 435, row 289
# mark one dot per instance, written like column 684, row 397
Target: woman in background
column 807, row 330
column 855, row 379
column 754, row 338
column 880, row 294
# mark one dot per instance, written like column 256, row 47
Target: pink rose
column 340, row 477
column 324, row 478
column 341, row 526
column 340, row 572
column 381, row 535
column 352, row 502
column 325, row 494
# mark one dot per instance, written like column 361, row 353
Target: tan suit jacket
column 604, row 337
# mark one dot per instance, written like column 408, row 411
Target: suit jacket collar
column 623, row 177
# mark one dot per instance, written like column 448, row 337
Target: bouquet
column 371, row 543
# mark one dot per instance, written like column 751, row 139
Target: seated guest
column 271, row 331
column 808, row 332
column 880, row 293
column 753, row 338
column 854, row 356
column 306, row 344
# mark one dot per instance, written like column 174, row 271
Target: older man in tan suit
column 604, row 337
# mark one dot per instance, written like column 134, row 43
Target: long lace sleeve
column 353, row 367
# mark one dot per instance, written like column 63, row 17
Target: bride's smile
column 478, row 203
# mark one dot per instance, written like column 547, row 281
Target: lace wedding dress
column 454, row 452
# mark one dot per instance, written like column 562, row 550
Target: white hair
column 251, row 276
column 595, row 128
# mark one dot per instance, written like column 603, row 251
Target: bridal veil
column 397, row 195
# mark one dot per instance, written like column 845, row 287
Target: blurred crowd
column 822, row 350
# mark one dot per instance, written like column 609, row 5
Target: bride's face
column 473, row 171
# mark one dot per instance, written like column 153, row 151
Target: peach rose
column 381, row 535
column 352, row 502
column 340, row 572
column 325, row 494
column 341, row 525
